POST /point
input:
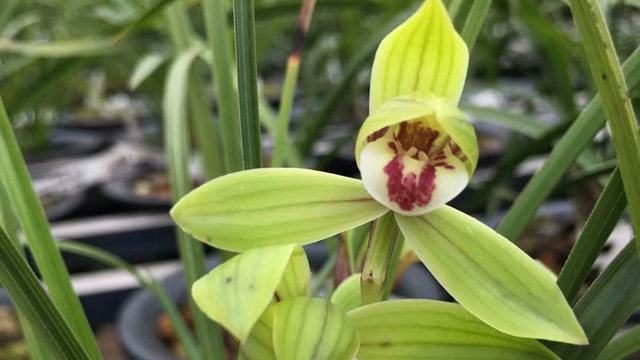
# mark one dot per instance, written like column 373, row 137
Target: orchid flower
column 416, row 151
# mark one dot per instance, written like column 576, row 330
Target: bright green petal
column 296, row 279
column 313, row 329
column 423, row 55
column 491, row 277
column 265, row 207
column 347, row 295
column 236, row 293
column 259, row 344
column 432, row 330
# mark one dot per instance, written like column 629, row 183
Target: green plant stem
column 616, row 104
column 33, row 220
column 594, row 235
column 48, row 323
column 183, row 332
column 290, row 83
column 575, row 140
column 382, row 240
column 605, row 307
column 203, row 122
column 178, row 145
column 475, row 19
column 393, row 266
column 247, row 82
column 222, row 67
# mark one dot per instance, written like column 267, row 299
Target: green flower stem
column 33, row 220
column 384, row 232
column 616, row 104
column 48, row 323
column 222, row 67
column 247, row 82
column 594, row 235
column 566, row 150
column 392, row 274
column 290, row 82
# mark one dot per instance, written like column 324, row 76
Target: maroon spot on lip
column 393, row 146
column 377, row 135
column 410, row 190
column 440, row 157
column 449, row 167
column 441, row 164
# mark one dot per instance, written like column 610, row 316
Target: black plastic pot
column 137, row 320
column 120, row 189
column 68, row 143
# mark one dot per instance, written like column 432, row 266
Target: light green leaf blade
column 62, row 49
column 347, row 295
column 296, row 279
column 236, row 293
column 491, row 277
column 432, row 330
column 424, row 55
column 266, row 207
column 313, row 329
column 259, row 344
column 145, row 67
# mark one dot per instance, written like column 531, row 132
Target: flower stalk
column 384, row 232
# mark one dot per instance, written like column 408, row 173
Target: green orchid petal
column 259, row 344
column 432, row 330
column 416, row 153
column 265, row 207
column 347, row 295
column 424, row 55
column 491, row 277
column 313, row 329
column 236, row 293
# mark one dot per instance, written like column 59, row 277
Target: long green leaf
column 626, row 344
column 145, row 68
column 613, row 91
column 605, row 307
column 65, row 49
column 33, row 220
column 177, row 140
column 265, row 207
column 594, row 235
column 521, row 124
column 432, row 330
column 290, row 82
column 9, row 223
column 490, row 276
column 475, row 19
column 26, row 291
column 579, row 135
column 182, row 330
column 222, row 66
column 245, row 35
column 141, row 19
